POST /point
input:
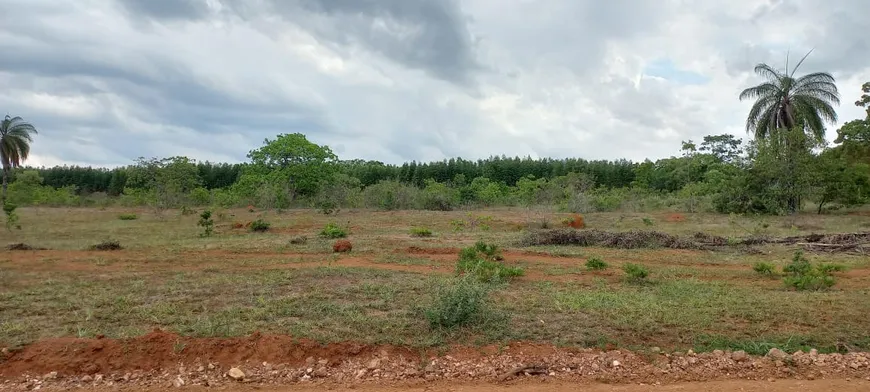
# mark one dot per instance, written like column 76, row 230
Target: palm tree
column 783, row 102
column 15, row 139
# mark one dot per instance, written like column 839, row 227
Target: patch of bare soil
column 165, row 359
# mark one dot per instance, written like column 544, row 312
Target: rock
column 50, row 376
column 690, row 353
column 210, row 366
column 855, row 365
column 373, row 364
column 655, row 350
column 552, row 374
column 814, row 352
column 309, row 361
column 98, row 378
column 718, row 353
column 739, row 356
column 320, row 372
column 4, row 351
column 615, row 363
column 178, row 382
column 236, row 374
column 432, row 367
column 200, row 369
column 776, row 353
column 87, row 378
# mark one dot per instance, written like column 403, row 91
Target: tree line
column 786, row 166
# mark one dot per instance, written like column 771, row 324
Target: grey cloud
column 167, row 9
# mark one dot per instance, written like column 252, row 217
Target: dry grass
column 236, row 282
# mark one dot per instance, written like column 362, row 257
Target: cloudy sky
column 106, row 81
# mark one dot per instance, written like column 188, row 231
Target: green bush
column 420, row 232
column 596, row 264
column 648, row 221
column 463, row 301
column 11, row 216
column 635, row 273
column 128, row 217
column 207, row 224
column 259, row 225
column 763, row 268
column 483, row 261
column 333, row 231
column 803, row 275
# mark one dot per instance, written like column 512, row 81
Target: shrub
column 635, row 273
column 763, row 268
column 342, row 246
column 648, row 221
column 11, row 216
column 259, row 225
column 420, row 232
column 803, row 275
column 483, row 261
column 128, row 217
column 596, row 264
column 461, row 302
column 828, row 268
column 107, row 245
column 206, row 223
column 333, row 230
column 185, row 211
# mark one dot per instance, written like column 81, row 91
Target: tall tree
column 15, row 138
column 786, row 102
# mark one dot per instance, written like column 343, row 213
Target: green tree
column 299, row 164
column 725, row 147
column 15, row 139
column 786, row 102
column 864, row 101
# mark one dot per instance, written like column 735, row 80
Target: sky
column 108, row 81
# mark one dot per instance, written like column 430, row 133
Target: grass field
column 237, row 282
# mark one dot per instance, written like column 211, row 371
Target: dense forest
column 786, row 167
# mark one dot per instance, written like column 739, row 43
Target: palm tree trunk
column 5, row 185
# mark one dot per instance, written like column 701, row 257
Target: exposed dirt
column 162, row 359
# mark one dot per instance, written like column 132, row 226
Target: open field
column 236, row 283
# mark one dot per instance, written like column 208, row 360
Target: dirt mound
column 160, row 350
column 342, row 246
column 22, row 246
column 162, row 359
column 624, row 240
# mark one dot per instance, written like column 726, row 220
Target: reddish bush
column 576, row 222
column 342, row 246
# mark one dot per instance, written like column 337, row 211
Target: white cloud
column 107, row 81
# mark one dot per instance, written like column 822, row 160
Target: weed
column 259, row 225
column 803, row 275
column 828, row 268
column 648, row 221
column 483, row 261
column 635, row 273
column 332, row 230
column 206, row 223
column 596, row 264
column 461, row 302
column 420, row 232
column 763, row 268
column 127, row 217
column 107, row 245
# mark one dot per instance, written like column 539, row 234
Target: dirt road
column 840, row 385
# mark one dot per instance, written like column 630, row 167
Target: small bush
column 635, row 273
column 107, row 245
column 342, row 246
column 763, row 268
column 259, row 226
column 462, row 302
column 300, row 240
column 648, row 221
column 206, row 223
column 420, row 232
column 483, row 261
column 128, row 217
column 596, row 264
column 828, row 268
column 803, row 275
column 333, row 231
column 11, row 216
